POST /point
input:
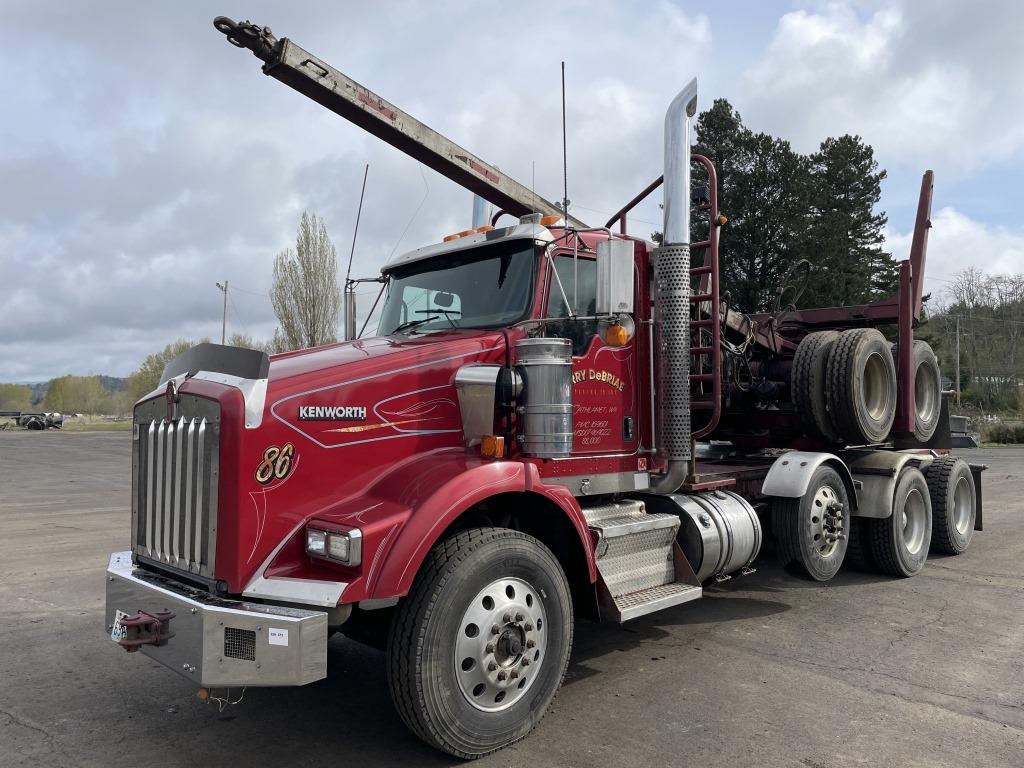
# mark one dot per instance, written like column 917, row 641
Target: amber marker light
column 547, row 221
column 492, row 447
column 723, row 220
column 449, row 238
column 616, row 336
column 484, row 228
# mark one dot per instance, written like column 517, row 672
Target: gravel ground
column 765, row 670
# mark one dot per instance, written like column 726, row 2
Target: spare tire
column 927, row 389
column 860, row 386
column 810, row 364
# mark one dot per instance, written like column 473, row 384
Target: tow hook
column 144, row 628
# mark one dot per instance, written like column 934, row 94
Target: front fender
column 435, row 489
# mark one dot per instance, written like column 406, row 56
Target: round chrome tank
column 545, row 413
column 720, row 532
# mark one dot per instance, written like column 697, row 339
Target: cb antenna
column 355, row 234
column 565, row 162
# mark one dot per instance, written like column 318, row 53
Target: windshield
column 486, row 287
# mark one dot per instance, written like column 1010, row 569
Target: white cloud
column 927, row 84
column 957, row 242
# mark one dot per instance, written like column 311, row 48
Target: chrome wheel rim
column 826, row 521
column 876, row 387
column 962, row 505
column 913, row 518
column 500, row 646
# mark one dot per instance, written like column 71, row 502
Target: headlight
column 345, row 547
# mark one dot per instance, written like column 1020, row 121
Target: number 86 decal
column 276, row 464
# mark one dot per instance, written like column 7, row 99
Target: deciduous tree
column 305, row 293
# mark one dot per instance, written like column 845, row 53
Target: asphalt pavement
column 766, row 670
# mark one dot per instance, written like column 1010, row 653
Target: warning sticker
column 278, row 636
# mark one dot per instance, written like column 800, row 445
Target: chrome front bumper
column 216, row 642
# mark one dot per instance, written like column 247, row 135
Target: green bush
column 1006, row 433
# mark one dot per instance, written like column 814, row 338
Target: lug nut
column 513, row 674
column 530, row 644
column 526, row 661
column 507, row 618
column 491, row 666
column 502, row 675
column 495, row 629
column 519, row 617
column 489, row 648
column 528, row 626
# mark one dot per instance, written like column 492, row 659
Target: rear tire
column 442, row 641
column 810, row 365
column 899, row 543
column 927, row 389
column 954, row 504
column 860, row 386
column 858, row 553
column 807, row 528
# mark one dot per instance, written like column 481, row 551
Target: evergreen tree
column 844, row 240
column 764, row 189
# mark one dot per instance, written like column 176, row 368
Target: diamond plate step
column 636, row 604
column 636, row 559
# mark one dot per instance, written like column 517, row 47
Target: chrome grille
column 175, row 468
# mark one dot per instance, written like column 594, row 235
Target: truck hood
column 361, row 391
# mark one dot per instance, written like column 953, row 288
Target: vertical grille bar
column 168, row 509
column 177, row 494
column 181, row 459
column 189, row 498
column 158, row 490
column 201, row 502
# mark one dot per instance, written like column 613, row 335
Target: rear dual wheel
column 811, row 531
column 954, row 504
column 898, row 544
column 479, row 647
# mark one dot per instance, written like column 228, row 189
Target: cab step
column 646, row 601
column 641, row 567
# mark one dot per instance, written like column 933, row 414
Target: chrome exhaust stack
column 672, row 296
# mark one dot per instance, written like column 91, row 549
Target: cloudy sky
column 142, row 158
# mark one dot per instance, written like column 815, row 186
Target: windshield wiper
column 409, row 324
column 446, row 312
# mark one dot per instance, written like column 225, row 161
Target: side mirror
column 614, row 277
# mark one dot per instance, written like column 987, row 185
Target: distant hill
column 110, row 383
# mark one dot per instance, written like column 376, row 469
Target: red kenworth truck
column 554, row 421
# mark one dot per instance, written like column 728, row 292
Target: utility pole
column 957, row 385
column 224, row 320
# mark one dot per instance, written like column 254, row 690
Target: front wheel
column 478, row 649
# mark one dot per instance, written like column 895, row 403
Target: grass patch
column 97, row 426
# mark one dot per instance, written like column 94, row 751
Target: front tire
column 811, row 531
column 479, row 647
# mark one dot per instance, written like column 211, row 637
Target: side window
column 579, row 280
